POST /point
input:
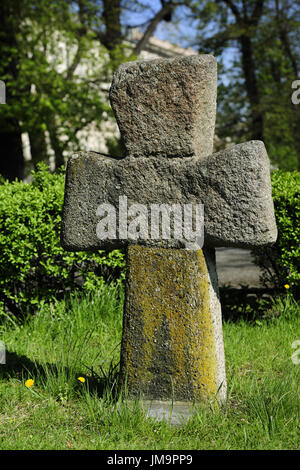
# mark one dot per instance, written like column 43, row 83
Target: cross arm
column 234, row 186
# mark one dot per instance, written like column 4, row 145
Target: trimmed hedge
column 34, row 268
column 280, row 263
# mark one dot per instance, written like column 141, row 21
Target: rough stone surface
column 172, row 344
column 166, row 108
column 234, row 186
column 175, row 412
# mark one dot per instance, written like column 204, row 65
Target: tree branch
column 75, row 63
column 257, row 12
column 284, row 38
column 81, row 32
column 233, row 8
column 165, row 10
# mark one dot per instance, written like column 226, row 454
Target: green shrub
column 34, row 268
column 280, row 263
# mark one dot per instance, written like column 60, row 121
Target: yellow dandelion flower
column 81, row 379
column 286, row 286
column 29, row 383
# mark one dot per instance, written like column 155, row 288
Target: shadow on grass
column 101, row 385
column 17, row 366
column 245, row 303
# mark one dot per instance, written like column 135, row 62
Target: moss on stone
column 168, row 348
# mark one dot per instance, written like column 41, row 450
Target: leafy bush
column 280, row 263
column 34, row 268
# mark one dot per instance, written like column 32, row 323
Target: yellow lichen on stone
column 205, row 359
column 168, row 340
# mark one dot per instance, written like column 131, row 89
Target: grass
column 82, row 339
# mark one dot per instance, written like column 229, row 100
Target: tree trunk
column 164, row 12
column 251, row 87
column 12, row 159
column 113, row 31
column 281, row 21
column 56, row 147
column 38, row 147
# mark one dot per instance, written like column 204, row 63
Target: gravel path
column 235, row 267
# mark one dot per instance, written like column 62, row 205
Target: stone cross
column 172, row 344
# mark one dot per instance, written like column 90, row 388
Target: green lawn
column 82, row 339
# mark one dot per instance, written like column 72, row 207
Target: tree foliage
column 259, row 37
column 34, row 268
column 56, row 55
column 54, row 58
column 280, row 263
column 58, row 63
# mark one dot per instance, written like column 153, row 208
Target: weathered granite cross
column 172, row 344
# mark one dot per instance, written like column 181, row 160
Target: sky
column 183, row 32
